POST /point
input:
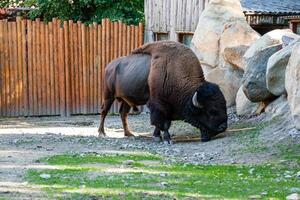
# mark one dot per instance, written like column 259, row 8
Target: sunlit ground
column 144, row 175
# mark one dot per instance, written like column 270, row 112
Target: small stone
column 128, row 162
column 293, row 196
column 45, row 176
column 298, row 174
column 264, row 193
column 255, row 197
column 163, row 174
column 164, row 184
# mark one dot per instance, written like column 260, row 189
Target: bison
column 169, row 77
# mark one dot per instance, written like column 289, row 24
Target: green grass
column 77, row 177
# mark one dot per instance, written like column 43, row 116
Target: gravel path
column 24, row 140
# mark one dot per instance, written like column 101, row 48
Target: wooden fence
column 57, row 68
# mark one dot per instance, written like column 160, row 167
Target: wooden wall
column 172, row 16
column 57, row 68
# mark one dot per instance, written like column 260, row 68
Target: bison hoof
column 129, row 134
column 101, row 135
column 168, row 142
column 157, row 139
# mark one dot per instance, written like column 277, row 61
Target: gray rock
column 128, row 162
column 229, row 81
column 254, row 79
column 293, row 196
column 278, row 107
column 244, row 107
column 234, row 55
column 276, row 70
column 292, row 84
column 269, row 39
column 45, row 176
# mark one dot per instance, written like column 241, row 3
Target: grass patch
column 156, row 180
column 97, row 158
column 250, row 138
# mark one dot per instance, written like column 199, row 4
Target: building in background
column 177, row 19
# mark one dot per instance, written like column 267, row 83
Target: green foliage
column 77, row 177
column 16, row 3
column 88, row 11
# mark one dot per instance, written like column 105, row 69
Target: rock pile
column 251, row 70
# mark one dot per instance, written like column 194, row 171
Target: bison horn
column 195, row 101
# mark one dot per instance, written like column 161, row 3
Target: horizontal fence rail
column 57, row 68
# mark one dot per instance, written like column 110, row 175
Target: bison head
column 207, row 111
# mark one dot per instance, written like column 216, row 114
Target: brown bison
column 175, row 90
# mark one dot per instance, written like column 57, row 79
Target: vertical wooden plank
column 103, row 56
column 108, row 42
column 141, row 34
column 76, row 75
column 116, row 40
column 132, row 38
column 80, row 67
column 47, row 105
column 66, row 42
column 99, row 75
column 96, row 67
column 72, row 68
column 13, row 76
column 30, row 64
column 136, row 36
column 19, row 59
column 52, row 68
column 34, row 68
column 91, row 69
column 84, row 66
column 56, row 25
column 6, row 70
column 24, row 67
column 2, row 74
column 38, row 67
column 124, row 39
column 119, row 38
column 128, row 40
column 62, row 84
column 43, row 70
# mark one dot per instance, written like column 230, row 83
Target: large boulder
column 234, row 56
column 229, row 81
column 276, row 70
column 292, row 84
column 244, row 107
column 254, row 80
column 269, row 39
column 221, row 21
column 278, row 107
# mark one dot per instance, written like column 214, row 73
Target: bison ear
column 196, row 103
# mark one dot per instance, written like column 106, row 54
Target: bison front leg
column 161, row 124
column 124, row 110
column 156, row 135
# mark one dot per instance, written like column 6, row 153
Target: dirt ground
column 23, row 141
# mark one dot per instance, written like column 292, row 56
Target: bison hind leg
column 124, row 110
column 108, row 101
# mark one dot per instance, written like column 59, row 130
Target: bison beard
column 178, row 90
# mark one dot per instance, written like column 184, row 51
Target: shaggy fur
column 175, row 76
